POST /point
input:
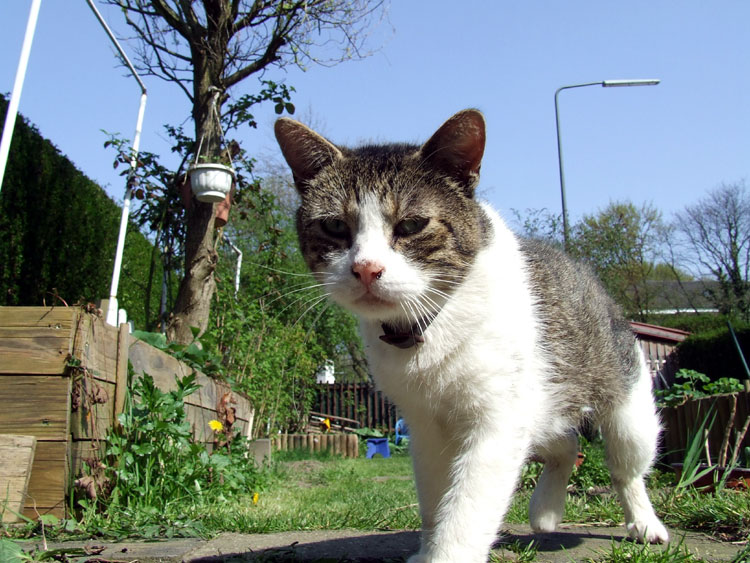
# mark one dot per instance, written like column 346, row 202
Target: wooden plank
column 95, row 345
column 164, row 368
column 92, row 420
column 16, row 459
column 35, row 405
column 61, row 318
column 121, row 378
column 40, row 354
column 35, row 339
column 49, row 478
column 82, row 450
column 58, row 511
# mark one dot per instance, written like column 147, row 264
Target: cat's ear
column 457, row 148
column 306, row 152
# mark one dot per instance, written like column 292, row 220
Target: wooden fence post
column 121, row 376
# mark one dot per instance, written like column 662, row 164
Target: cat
column 494, row 348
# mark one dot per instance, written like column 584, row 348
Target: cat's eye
column 410, row 226
column 335, row 228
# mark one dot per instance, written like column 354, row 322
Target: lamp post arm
column 566, row 226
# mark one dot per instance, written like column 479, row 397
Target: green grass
column 641, row 553
column 300, row 492
column 325, row 493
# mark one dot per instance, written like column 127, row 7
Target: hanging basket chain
column 214, row 110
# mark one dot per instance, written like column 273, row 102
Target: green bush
column 690, row 384
column 60, row 231
column 593, row 472
column 714, row 353
column 155, row 471
column 691, row 322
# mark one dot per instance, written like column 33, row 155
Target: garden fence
column 357, row 401
column 681, row 422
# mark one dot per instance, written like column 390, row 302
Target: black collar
column 409, row 337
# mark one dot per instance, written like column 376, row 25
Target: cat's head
column 390, row 229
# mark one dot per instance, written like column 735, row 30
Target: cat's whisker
column 414, row 317
column 434, row 306
column 310, row 308
column 295, row 287
column 315, row 321
column 299, row 289
column 305, row 299
column 305, row 274
column 420, row 319
column 437, row 292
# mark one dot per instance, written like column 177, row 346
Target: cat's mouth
column 371, row 300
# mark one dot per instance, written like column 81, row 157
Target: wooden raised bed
column 63, row 379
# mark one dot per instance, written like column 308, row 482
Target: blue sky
column 667, row 145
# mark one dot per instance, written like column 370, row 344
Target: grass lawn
column 300, row 492
column 333, row 493
column 326, row 493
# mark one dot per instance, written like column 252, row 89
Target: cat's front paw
column 545, row 522
column 418, row 558
column 652, row 531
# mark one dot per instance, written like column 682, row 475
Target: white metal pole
column 15, row 97
column 112, row 310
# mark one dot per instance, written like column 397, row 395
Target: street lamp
column 604, row 84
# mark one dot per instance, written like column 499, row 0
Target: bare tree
column 207, row 47
column 715, row 233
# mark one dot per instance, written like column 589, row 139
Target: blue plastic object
column 402, row 431
column 378, row 446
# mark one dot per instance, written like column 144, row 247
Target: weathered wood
column 48, row 481
column 16, row 459
column 35, row 405
column 82, row 450
column 92, row 420
column 36, row 385
column 34, row 350
column 164, row 368
column 199, row 417
column 60, row 318
column 95, row 345
column 121, row 377
column 346, row 445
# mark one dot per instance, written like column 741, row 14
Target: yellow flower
column 255, row 498
column 215, row 425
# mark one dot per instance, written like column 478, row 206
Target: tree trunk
column 193, row 305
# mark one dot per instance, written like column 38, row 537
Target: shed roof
column 654, row 332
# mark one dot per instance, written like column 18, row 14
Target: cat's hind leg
column 631, row 430
column 547, row 504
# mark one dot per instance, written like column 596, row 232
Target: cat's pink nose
column 367, row 272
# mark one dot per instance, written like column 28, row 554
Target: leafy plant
column 690, row 387
column 154, row 466
column 722, row 386
column 196, row 355
column 593, row 471
column 691, row 465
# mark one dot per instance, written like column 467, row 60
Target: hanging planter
column 211, row 182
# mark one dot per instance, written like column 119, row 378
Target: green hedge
column 58, row 232
column 715, row 354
